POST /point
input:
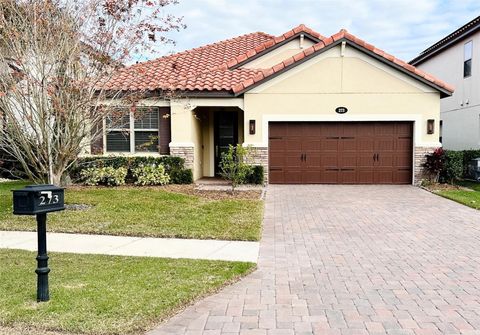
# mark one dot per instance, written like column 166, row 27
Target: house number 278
column 46, row 198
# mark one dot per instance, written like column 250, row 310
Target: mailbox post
column 39, row 200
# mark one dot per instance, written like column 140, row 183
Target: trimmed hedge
column 174, row 166
column 255, row 175
column 455, row 164
column 453, row 168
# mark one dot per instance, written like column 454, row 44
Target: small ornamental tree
column 234, row 165
column 56, row 58
column 434, row 163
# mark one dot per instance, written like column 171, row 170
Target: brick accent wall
column 184, row 152
column 260, row 157
column 419, row 159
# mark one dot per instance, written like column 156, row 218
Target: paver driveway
column 352, row 260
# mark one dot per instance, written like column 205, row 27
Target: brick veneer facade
column 184, row 152
column 419, row 159
column 260, row 157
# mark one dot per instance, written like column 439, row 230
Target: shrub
column 468, row 155
column 183, row 176
column 150, row 175
column 233, row 165
column 104, row 176
column 171, row 164
column 434, row 163
column 453, row 166
column 256, row 175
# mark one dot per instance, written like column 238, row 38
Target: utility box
column 473, row 169
column 38, row 199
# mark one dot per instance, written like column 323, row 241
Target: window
column 467, row 60
column 132, row 132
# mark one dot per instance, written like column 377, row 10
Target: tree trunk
column 55, row 178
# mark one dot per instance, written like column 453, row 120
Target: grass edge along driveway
column 468, row 193
column 105, row 295
column 137, row 211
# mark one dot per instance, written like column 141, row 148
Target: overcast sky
column 401, row 27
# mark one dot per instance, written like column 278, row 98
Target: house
column 456, row 59
column 315, row 109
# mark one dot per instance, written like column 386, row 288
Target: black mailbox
column 38, row 199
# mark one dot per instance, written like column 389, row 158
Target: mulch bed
column 189, row 190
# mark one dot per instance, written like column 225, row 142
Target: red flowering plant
column 434, row 163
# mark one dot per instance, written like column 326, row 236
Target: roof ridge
column 342, row 34
column 271, row 43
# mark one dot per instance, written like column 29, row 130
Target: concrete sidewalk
column 134, row 246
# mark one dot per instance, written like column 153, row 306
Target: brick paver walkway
column 352, row 260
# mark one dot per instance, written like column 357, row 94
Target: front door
column 226, row 133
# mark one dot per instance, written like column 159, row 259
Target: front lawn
column 95, row 294
column 149, row 211
column 466, row 192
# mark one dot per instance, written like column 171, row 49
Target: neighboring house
column 456, row 59
column 316, row 109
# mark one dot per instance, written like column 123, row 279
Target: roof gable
column 217, row 68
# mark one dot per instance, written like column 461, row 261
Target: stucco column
column 187, row 136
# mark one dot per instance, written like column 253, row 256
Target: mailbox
column 38, row 199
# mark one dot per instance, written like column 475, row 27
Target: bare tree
column 56, row 58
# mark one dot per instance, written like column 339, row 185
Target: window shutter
column 164, row 130
column 96, row 145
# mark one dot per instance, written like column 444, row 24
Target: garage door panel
column 348, row 176
column 365, row 160
column 350, row 144
column 330, row 144
column 312, row 144
column 277, row 145
column 329, row 176
column 294, row 129
column 365, row 176
column 341, row 152
column 293, row 176
column 404, row 144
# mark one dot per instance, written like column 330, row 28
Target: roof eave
column 443, row 92
column 427, row 55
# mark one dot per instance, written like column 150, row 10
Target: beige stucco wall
column 369, row 89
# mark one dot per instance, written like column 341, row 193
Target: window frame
column 465, row 60
column 131, row 131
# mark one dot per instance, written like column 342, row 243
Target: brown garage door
column 340, row 152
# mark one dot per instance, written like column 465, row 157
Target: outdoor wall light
column 430, row 126
column 251, row 127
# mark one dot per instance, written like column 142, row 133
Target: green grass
column 95, row 294
column 470, row 197
column 138, row 211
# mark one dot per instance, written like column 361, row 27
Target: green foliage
column 453, row 166
column 108, row 175
column 174, row 166
column 234, row 166
column 182, row 176
column 255, row 175
column 150, row 175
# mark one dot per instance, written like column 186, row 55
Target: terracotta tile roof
column 165, row 72
column 214, row 67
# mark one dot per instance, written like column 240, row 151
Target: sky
column 401, row 27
